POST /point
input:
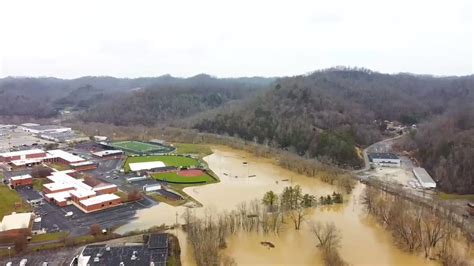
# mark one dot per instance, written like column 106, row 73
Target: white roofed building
column 135, row 167
column 64, row 157
column 65, row 190
column 424, row 178
column 16, row 223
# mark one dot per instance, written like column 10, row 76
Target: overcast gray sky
column 233, row 38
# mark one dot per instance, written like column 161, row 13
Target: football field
column 141, row 147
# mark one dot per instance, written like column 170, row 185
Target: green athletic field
column 173, row 177
column 168, row 160
column 140, row 147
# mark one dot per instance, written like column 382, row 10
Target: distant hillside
column 162, row 104
column 44, row 97
column 328, row 113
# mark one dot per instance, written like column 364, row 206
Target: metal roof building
column 424, row 178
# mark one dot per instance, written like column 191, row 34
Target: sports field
column 141, row 147
column 184, row 177
column 168, row 160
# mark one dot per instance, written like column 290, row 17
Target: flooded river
column 245, row 178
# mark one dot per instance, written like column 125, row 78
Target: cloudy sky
column 233, row 38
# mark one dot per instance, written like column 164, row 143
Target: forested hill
column 445, row 146
column 45, row 97
column 161, row 104
column 328, row 113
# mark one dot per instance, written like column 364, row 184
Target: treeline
column 445, row 147
column 417, row 228
column 305, row 166
column 207, row 235
column 328, row 113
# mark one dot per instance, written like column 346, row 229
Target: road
column 371, row 148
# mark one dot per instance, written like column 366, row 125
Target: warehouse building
column 424, row 178
column 21, row 181
column 39, row 129
column 16, row 224
column 63, row 137
column 385, row 159
column 65, row 190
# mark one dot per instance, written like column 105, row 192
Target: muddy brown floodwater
column 244, row 178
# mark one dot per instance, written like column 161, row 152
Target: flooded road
column 245, row 178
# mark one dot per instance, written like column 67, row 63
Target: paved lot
column 54, row 219
column 54, row 257
column 17, row 138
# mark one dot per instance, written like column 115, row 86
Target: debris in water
column 267, row 244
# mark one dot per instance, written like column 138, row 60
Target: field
column 445, row 196
column 140, row 147
column 8, row 198
column 168, row 160
column 188, row 148
column 183, row 178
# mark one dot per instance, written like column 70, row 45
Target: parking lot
column 54, row 218
column 56, row 257
column 17, row 138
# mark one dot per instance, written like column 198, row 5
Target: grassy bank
column 49, row 237
column 174, row 177
column 8, row 199
column 446, row 196
column 200, row 150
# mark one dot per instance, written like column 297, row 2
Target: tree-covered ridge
column 328, row 113
column 445, row 147
column 161, row 104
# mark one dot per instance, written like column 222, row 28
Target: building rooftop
column 16, row 221
column 422, row 175
column 82, row 163
column 20, row 177
column 104, row 186
column 69, row 157
column 81, row 193
column 43, row 127
column 21, row 153
column 29, row 125
column 59, row 196
column 141, row 254
column 57, row 186
column 107, row 152
column 99, row 199
column 67, row 180
column 383, row 155
column 146, row 165
column 158, row 241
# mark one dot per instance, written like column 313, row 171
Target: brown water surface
column 363, row 241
